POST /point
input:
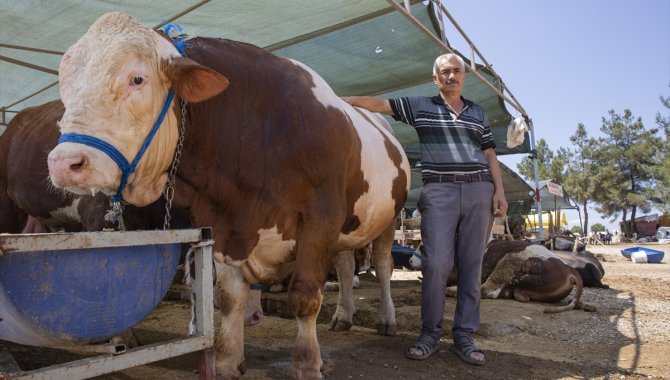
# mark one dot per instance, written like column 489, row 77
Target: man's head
column 449, row 74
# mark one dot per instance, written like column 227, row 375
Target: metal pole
column 446, row 48
column 28, row 65
column 538, row 200
column 185, row 11
column 480, row 55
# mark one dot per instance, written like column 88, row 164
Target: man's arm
column 370, row 103
column 499, row 201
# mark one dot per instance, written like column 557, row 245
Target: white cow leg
column 344, row 313
column 383, row 261
column 232, row 291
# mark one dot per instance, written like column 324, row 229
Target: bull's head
column 114, row 82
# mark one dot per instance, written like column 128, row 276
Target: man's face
column 450, row 78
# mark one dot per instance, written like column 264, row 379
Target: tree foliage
column 544, row 156
column 626, row 161
column 660, row 195
column 597, row 227
column 580, row 170
column 622, row 172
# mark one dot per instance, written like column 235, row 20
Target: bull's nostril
column 257, row 317
column 77, row 166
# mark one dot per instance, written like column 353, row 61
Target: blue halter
column 127, row 168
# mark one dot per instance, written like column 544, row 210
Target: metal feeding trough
column 70, row 289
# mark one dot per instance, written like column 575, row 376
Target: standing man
column 462, row 192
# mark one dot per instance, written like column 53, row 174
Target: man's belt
column 458, row 178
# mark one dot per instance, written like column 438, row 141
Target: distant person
column 462, row 192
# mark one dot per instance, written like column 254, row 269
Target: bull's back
column 280, row 129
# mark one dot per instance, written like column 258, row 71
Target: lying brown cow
column 525, row 272
column 277, row 164
column 587, row 265
column 530, row 272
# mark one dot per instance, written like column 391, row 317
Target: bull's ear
column 194, row 82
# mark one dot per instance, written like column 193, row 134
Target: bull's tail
column 575, row 280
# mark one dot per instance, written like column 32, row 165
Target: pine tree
column 626, row 160
column 580, row 171
column 660, row 195
column 544, row 157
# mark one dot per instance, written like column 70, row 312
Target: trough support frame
column 202, row 340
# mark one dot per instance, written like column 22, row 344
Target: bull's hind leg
column 383, row 261
column 344, row 313
column 305, row 294
column 231, row 291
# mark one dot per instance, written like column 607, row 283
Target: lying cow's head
column 114, row 82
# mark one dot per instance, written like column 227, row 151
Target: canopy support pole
column 536, row 172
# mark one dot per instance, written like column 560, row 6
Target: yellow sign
column 532, row 219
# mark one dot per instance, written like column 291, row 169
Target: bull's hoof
column 230, row 373
column 340, row 325
column 386, row 329
column 305, row 374
column 128, row 338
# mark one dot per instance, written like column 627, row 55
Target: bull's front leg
column 344, row 313
column 231, row 292
column 383, row 261
column 305, row 294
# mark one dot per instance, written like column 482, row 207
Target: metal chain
column 169, row 186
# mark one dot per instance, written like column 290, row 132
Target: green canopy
column 359, row 47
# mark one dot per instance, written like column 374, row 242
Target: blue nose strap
column 96, row 143
column 126, row 168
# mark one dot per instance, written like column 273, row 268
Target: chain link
column 169, row 187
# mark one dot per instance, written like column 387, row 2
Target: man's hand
column 370, row 103
column 499, row 204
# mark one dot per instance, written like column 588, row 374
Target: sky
column 571, row 61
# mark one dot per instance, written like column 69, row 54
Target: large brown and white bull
column 281, row 169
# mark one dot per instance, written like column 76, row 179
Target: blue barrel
column 81, row 295
column 402, row 254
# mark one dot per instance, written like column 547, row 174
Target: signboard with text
column 555, row 189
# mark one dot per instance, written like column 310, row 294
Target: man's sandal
column 464, row 347
column 426, row 345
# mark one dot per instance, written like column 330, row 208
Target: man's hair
column 448, row 57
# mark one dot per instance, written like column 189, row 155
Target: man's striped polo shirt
column 450, row 144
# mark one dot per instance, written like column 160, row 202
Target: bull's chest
column 268, row 261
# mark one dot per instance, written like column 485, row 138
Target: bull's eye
column 138, row 81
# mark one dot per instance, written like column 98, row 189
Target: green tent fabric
column 359, row 47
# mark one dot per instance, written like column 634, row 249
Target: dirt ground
column 627, row 337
